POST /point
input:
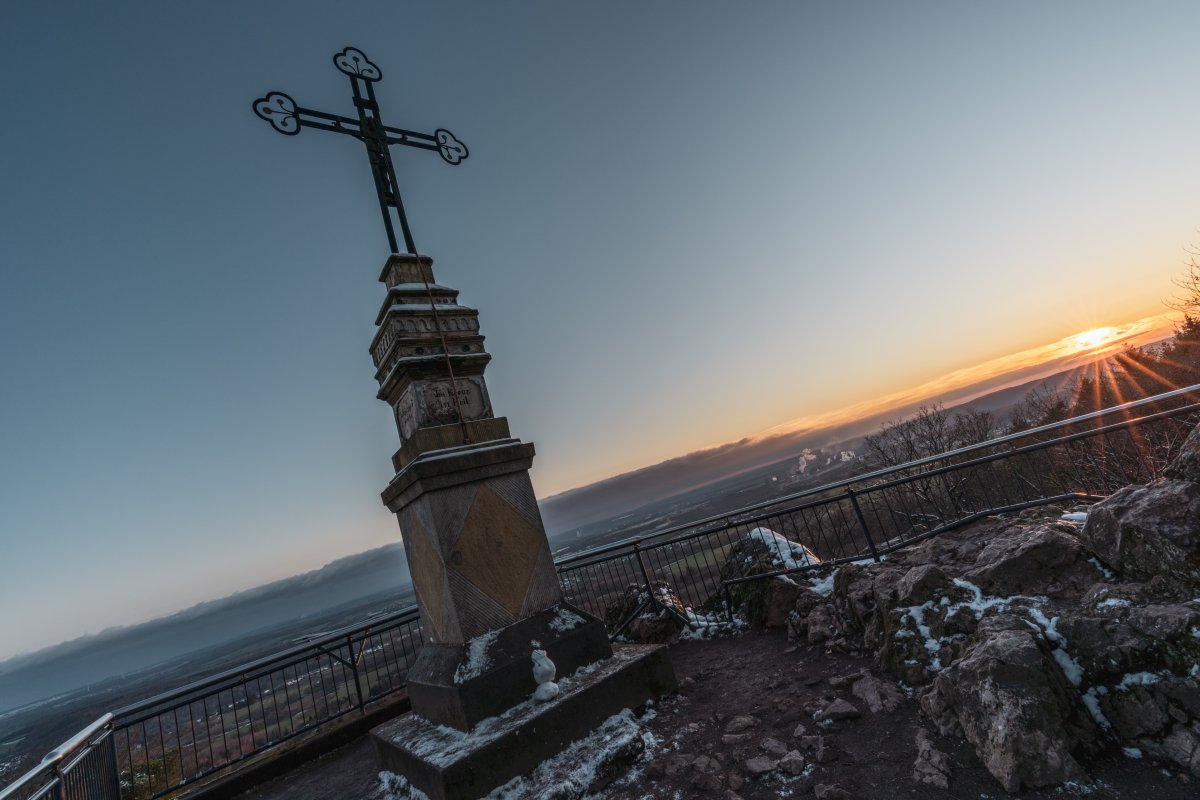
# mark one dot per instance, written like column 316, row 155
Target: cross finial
column 288, row 118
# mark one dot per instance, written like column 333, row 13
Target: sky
column 683, row 223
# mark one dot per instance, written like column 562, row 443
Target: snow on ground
column 1075, row 516
column 823, row 586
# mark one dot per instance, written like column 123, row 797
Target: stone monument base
column 448, row 764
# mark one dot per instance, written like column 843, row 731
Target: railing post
column 362, row 706
column 862, row 520
column 113, row 786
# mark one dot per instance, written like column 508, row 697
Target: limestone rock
column 1043, row 560
column 932, row 766
column 1186, row 464
column 742, row 722
column 921, row 583
column 1013, row 704
column 792, row 763
column 760, row 765
column 825, row 791
column 773, row 747
column 1148, row 532
column 878, row 695
column 837, row 710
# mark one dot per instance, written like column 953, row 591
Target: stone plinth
column 452, row 765
column 460, row 685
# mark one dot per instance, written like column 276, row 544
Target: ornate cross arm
column 288, row 118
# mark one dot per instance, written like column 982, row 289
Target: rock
column 824, row 791
column 652, row 624
column 740, row 723
column 1186, row 464
column 1013, row 704
column 878, row 695
column 792, row 763
column 759, row 765
column 735, row 780
column 732, row 739
column 821, row 625
column 1180, row 746
column 1043, row 560
column 801, row 730
column 773, row 747
column 812, row 742
column 837, row 710
column 676, row 763
column 932, row 766
column 921, row 583
column 705, row 764
column 706, row 783
column 1151, row 531
column 732, row 795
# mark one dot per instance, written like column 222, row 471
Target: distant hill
column 660, row 482
column 379, row 575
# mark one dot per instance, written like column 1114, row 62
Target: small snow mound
column 823, row 586
column 1075, row 516
column 784, row 552
column 1131, row 752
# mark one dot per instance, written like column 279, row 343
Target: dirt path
column 761, row 675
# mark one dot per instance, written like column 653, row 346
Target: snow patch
column 565, row 620
column 823, row 586
column 1108, row 573
column 1114, row 602
column 477, row 657
column 784, row 552
column 1091, row 701
column 1131, row 752
column 1138, row 679
column 1075, row 516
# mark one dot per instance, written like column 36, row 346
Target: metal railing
column 867, row 516
column 160, row 745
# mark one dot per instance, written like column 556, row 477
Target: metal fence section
column 1082, row 459
column 82, row 768
column 155, row 747
column 177, row 738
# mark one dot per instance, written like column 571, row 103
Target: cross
column 286, row 117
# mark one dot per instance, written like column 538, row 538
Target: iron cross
column 286, row 117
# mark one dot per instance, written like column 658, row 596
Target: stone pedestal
column 449, row 765
column 481, row 565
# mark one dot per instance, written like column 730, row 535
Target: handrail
column 879, row 473
column 56, row 756
column 243, row 670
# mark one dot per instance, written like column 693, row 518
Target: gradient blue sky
column 683, row 222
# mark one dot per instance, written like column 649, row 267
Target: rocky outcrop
column 1042, row 641
column 1150, row 533
column 1008, row 698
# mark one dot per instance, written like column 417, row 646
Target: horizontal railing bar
column 879, row 473
column 310, row 648
column 949, row 526
column 57, row 756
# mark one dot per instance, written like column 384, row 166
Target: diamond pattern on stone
column 427, row 574
column 497, row 550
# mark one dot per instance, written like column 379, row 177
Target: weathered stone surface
column 1044, row 560
column 742, row 722
column 932, row 766
column 792, row 763
column 1149, row 532
column 1186, row 464
column 773, row 747
column 760, row 765
column 1010, row 700
column 652, row 624
column 837, row 710
column 921, row 583
column 878, row 695
column 827, row 791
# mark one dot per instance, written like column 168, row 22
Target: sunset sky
column 683, row 223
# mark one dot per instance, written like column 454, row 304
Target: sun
column 1096, row 337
